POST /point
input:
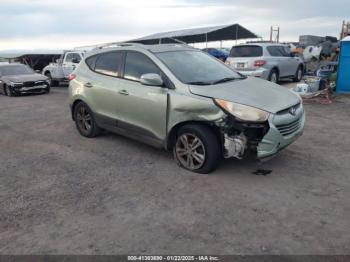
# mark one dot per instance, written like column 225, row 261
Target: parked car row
column 178, row 98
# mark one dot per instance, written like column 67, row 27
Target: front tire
column 84, row 120
column 299, row 74
column 9, row 92
column 197, row 149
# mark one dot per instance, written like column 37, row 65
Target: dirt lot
column 61, row 193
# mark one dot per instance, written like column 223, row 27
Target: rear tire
column 299, row 74
column 85, row 121
column 197, row 149
column 273, row 76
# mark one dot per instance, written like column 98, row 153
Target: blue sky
column 68, row 23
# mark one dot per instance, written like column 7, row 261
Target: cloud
column 66, row 23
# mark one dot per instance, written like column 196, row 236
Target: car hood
column 24, row 78
column 251, row 92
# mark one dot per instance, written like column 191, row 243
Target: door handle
column 88, row 85
column 123, row 92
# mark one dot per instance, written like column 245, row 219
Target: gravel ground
column 61, row 193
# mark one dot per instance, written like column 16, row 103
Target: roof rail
column 117, row 44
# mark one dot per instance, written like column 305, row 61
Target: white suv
column 269, row 61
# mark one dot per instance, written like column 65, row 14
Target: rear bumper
column 274, row 141
column 261, row 73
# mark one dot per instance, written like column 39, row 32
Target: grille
column 286, row 111
column 28, row 84
column 290, row 128
column 32, row 83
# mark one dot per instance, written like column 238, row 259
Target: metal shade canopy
column 199, row 35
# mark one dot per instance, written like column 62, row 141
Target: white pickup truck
column 60, row 71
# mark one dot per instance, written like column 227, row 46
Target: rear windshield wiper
column 200, row 83
column 226, row 79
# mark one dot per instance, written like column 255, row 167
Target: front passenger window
column 137, row 64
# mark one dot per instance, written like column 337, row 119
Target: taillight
column 259, row 63
column 71, row 77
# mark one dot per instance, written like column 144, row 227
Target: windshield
column 246, row 51
column 197, row 68
column 15, row 70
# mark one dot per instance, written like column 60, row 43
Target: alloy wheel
column 274, row 78
column 84, row 119
column 300, row 74
column 8, row 91
column 190, row 151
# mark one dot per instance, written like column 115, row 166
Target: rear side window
column 91, row 61
column 274, row 51
column 285, row 50
column 137, row 64
column 278, row 50
column 246, row 51
column 109, row 63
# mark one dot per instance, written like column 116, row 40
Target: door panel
column 68, row 66
column 102, row 86
column 104, row 95
column 291, row 62
column 143, row 109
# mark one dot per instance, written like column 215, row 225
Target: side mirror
column 292, row 54
column 151, row 80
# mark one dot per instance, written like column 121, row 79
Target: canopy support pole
column 236, row 34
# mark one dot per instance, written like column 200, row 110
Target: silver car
column 268, row 61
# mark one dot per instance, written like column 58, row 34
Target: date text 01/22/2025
column 173, row 258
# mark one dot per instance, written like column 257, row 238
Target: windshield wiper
column 200, row 83
column 226, row 79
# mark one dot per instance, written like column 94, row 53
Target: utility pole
column 275, row 34
column 345, row 30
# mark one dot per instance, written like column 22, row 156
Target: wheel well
column 172, row 134
column 74, row 105
column 276, row 68
column 47, row 72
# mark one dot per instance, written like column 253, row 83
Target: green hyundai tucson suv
column 179, row 98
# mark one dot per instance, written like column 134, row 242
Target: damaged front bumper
column 280, row 136
column 264, row 140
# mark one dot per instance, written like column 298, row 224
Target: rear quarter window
column 91, row 61
column 246, row 51
column 109, row 63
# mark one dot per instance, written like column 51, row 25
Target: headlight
column 242, row 112
column 15, row 84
